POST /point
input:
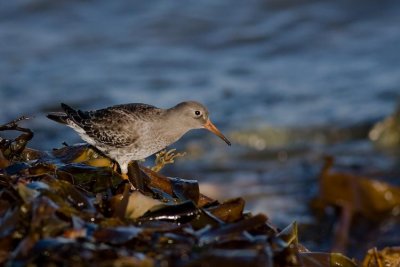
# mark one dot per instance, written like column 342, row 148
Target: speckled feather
column 113, row 126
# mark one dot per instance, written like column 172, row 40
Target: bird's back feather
column 113, row 126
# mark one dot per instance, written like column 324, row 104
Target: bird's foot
column 165, row 157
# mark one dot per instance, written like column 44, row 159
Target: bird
column 135, row 131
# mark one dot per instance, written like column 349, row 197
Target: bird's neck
column 174, row 127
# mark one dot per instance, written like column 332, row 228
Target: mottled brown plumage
column 135, row 131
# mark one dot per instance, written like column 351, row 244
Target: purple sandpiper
column 135, row 131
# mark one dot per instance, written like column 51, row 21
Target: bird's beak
column 211, row 127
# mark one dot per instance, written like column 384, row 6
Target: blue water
column 255, row 64
column 251, row 63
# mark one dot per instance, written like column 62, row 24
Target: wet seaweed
column 69, row 208
column 354, row 196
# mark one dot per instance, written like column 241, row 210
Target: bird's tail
column 60, row 117
column 63, row 117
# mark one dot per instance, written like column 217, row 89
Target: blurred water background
column 288, row 81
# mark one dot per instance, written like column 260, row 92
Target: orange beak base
column 211, row 127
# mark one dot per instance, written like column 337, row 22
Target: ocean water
column 274, row 74
column 255, row 62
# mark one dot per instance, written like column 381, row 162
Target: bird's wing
column 114, row 126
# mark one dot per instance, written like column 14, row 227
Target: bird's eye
column 197, row 113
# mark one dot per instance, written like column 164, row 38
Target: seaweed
column 354, row 196
column 70, row 208
column 385, row 257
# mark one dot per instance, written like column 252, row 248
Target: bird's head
column 195, row 116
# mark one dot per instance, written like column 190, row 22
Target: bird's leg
column 114, row 166
column 165, row 157
column 115, row 169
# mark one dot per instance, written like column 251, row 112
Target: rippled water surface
column 279, row 77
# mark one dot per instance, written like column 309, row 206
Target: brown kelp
column 68, row 207
column 356, row 198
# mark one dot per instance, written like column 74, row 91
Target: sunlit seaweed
column 385, row 257
column 70, row 208
column 355, row 196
